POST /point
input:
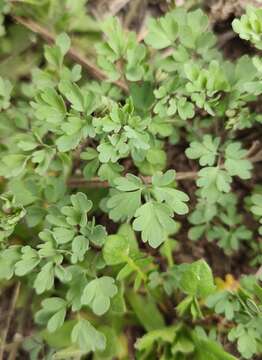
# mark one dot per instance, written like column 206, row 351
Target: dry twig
column 92, row 69
column 9, row 318
column 96, row 182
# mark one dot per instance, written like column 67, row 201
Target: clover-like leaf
column 77, row 213
column 29, row 260
column 249, row 26
column 155, row 222
column 162, row 32
column 116, row 249
column 73, row 94
column 124, row 201
column 87, row 337
column 163, row 193
column 224, row 302
column 213, row 181
column 235, row 162
column 206, row 151
column 247, row 338
column 197, row 279
column 53, row 312
column 80, row 245
column 8, row 258
column 63, row 235
column 97, row 294
column 13, row 165
column 45, row 278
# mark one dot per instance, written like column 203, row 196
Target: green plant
column 94, row 210
column 249, row 26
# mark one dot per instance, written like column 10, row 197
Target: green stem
column 169, row 255
column 135, row 267
column 198, row 308
column 244, row 305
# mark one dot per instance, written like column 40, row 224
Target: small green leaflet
column 249, row 26
column 123, row 205
column 235, row 163
column 63, row 42
column 55, row 54
column 224, row 302
column 63, row 235
column 175, row 199
column 229, row 239
column 155, row 222
column 73, row 94
column 80, row 245
column 116, row 39
column 97, row 294
column 53, row 312
column 75, row 129
column 8, row 259
column 162, row 32
column 77, row 213
column 128, row 183
column 197, row 279
column 49, row 106
column 45, row 278
column 43, row 160
column 76, row 287
column 126, row 199
column 87, row 337
column 29, row 260
column 213, row 181
column 184, row 108
column 206, row 151
column 116, row 249
column 122, row 249
column 135, row 57
column 247, row 338
column 13, row 165
column 125, row 202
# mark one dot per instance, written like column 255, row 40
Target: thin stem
column 198, row 307
column 96, row 182
column 244, row 305
column 135, row 267
column 169, row 253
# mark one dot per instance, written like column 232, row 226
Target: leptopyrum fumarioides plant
column 93, row 203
